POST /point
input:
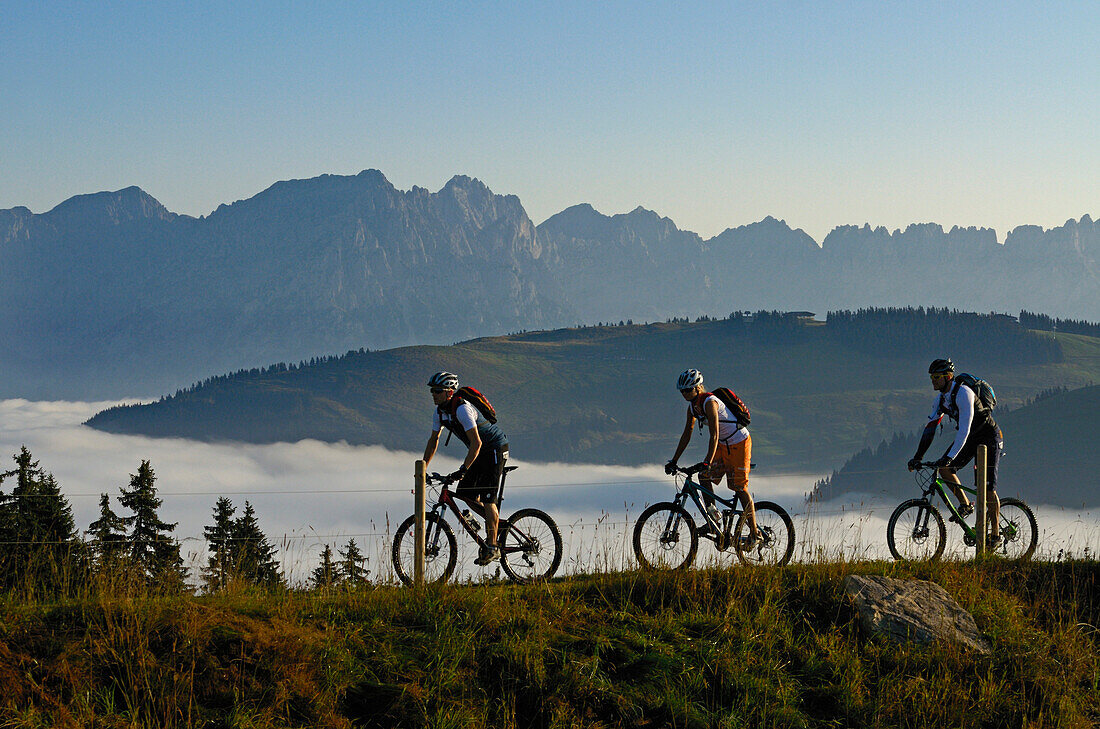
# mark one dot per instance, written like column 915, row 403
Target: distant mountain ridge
column 111, row 294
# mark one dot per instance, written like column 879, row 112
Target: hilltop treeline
column 912, row 332
column 1050, row 324
column 907, row 331
column 277, row 368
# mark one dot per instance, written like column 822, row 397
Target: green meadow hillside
column 1051, row 455
column 818, row 391
column 761, row 648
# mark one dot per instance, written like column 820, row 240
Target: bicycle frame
column 448, row 500
column 693, row 490
column 936, row 485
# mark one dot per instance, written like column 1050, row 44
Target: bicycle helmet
column 444, row 380
column 689, row 379
column 941, row 366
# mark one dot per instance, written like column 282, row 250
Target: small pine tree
column 149, row 543
column 256, row 556
column 6, row 510
column 325, row 574
column 44, row 550
column 223, row 550
column 353, row 565
column 108, row 534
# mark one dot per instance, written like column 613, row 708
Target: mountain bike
column 666, row 538
column 529, row 540
column 917, row 532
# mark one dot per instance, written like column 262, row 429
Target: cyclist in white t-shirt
column 486, row 454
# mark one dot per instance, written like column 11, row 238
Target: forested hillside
column 818, row 391
column 1051, row 447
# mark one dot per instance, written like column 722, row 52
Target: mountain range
column 110, row 294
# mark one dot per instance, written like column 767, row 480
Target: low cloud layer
column 309, row 494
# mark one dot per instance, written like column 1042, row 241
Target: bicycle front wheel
column 530, row 546
column 1019, row 531
column 440, row 550
column 916, row 532
column 665, row 538
column 775, row 542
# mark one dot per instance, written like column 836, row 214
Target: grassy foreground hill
column 819, row 391
column 1051, row 455
column 737, row 648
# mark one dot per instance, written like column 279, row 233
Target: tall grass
column 707, row 648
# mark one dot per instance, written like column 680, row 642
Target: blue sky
column 715, row 115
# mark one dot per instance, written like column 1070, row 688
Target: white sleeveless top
column 729, row 432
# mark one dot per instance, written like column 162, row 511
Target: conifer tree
column 256, row 556
column 149, row 543
column 43, row 548
column 325, row 574
column 108, row 534
column 222, row 562
column 353, row 565
column 7, row 516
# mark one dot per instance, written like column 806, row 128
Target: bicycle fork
column 432, row 530
column 671, row 534
column 920, row 527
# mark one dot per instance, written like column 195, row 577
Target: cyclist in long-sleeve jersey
column 976, row 427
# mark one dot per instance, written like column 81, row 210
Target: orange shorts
column 732, row 463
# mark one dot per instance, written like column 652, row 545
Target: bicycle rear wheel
column 1019, row 531
column 530, row 547
column 440, row 550
column 776, row 536
column 916, row 532
column 665, row 538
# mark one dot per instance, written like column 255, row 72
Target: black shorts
column 992, row 439
column 482, row 481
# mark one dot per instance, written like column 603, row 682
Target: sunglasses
column 938, row 375
column 437, row 390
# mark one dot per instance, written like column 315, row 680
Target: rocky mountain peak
column 107, row 209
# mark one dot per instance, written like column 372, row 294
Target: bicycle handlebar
column 689, row 471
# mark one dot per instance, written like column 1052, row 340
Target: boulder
column 912, row 610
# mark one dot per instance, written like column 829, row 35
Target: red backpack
column 729, row 398
column 475, row 398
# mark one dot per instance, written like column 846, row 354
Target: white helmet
column 444, row 381
column 689, row 379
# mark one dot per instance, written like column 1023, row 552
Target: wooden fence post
column 418, row 532
column 980, row 461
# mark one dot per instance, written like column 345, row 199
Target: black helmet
column 941, row 367
column 444, row 380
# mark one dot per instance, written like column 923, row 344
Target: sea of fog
column 309, row 494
